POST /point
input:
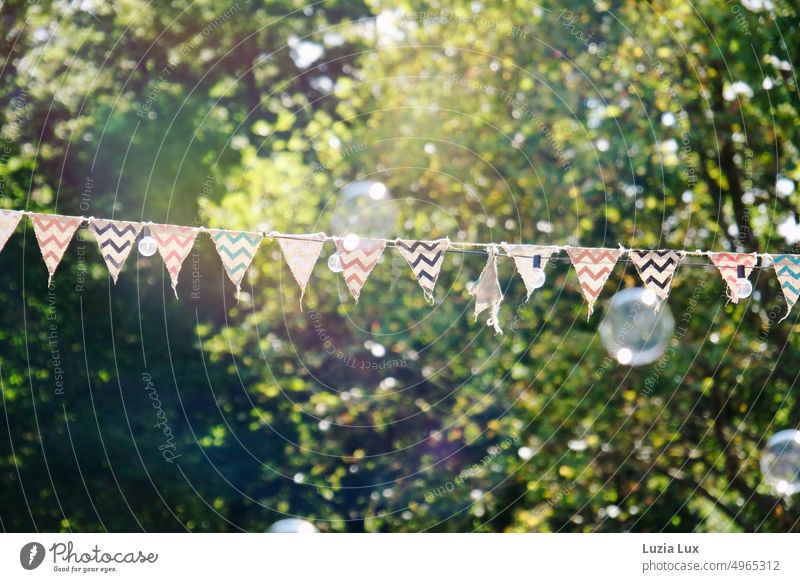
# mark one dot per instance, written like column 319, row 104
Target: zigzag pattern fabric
column 54, row 233
column 237, row 251
column 301, row 255
column 487, row 292
column 174, row 243
column 728, row 264
column 787, row 267
column 115, row 239
column 425, row 257
column 593, row 267
column 358, row 263
column 657, row 268
column 9, row 219
column 523, row 259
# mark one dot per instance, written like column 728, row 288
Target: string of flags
column 355, row 258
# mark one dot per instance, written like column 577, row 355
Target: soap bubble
column 351, row 242
column 292, row 525
column 147, row 245
column 780, row 462
column 335, row 263
column 366, row 208
column 636, row 329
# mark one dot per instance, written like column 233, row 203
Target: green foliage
column 581, row 123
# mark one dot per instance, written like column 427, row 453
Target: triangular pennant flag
column 358, row 263
column 115, row 239
column 425, row 257
column 656, row 268
column 9, row 219
column 174, row 243
column 54, row 232
column 487, row 292
column 237, row 250
column 787, row 267
column 524, row 258
column 301, row 254
column 593, row 267
column 728, row 265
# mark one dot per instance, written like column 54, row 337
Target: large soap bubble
column 292, row 525
column 365, row 208
column 636, row 329
column 780, row 462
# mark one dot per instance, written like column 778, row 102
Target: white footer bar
column 406, row 557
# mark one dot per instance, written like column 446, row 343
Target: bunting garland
column 729, row 265
column 53, row 233
column 236, row 250
column 656, row 269
column 358, row 263
column 525, row 259
column 487, row 292
column 8, row 223
column 593, row 267
column 174, row 243
column 358, row 257
column 115, row 239
column 301, row 254
column 787, row 268
column 425, row 259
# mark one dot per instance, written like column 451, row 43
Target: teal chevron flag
column 787, row 267
column 237, row 250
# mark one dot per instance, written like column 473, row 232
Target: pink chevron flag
column 174, row 244
column 593, row 267
column 9, row 219
column 54, row 233
column 728, row 265
column 358, row 263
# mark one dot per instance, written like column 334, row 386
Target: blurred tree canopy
column 666, row 124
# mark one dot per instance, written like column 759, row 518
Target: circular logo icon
column 31, row 555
